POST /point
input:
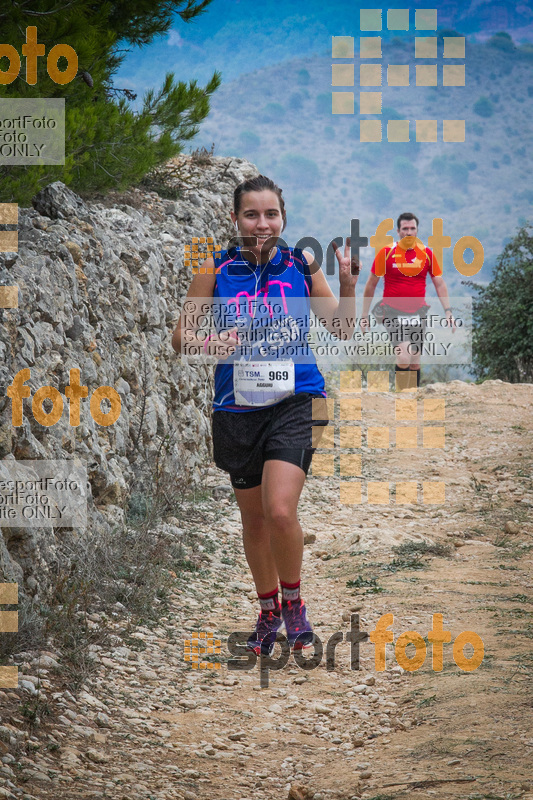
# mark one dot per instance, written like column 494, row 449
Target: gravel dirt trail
column 150, row 726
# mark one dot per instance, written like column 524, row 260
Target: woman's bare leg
column 282, row 485
column 256, row 540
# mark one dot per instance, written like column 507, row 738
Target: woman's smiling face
column 260, row 216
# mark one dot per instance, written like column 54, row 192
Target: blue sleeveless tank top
column 270, row 306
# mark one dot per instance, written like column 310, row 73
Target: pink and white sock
column 290, row 591
column 270, row 601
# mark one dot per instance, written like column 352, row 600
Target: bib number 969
column 278, row 375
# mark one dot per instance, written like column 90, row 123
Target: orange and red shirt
column 404, row 275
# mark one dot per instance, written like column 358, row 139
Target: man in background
column 404, row 267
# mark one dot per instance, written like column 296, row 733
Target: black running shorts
column 395, row 325
column 242, row 442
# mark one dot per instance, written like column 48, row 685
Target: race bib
column 262, row 383
column 405, row 321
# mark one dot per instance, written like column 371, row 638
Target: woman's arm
column 195, row 306
column 338, row 317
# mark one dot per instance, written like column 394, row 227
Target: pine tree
column 108, row 144
column 502, row 343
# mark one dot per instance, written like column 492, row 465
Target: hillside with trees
column 280, row 118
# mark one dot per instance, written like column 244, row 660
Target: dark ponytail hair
column 258, row 184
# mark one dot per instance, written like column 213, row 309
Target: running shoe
column 299, row 631
column 262, row 640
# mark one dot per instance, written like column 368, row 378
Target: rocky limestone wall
column 100, row 289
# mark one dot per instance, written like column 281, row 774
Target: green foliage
column 446, row 32
column 377, row 194
column 453, row 201
column 108, row 145
column 409, row 150
column 370, row 583
column 526, row 50
column 296, row 101
column 455, row 172
column 390, row 113
column 506, row 67
column 503, row 323
column 368, row 153
column 323, row 104
column 404, row 169
column 526, row 195
column 272, row 112
column 502, row 41
column 300, row 171
column 423, row 549
column 304, row 77
column 483, row 107
column 441, row 373
column 458, row 172
column 249, row 140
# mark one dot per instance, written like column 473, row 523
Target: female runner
column 266, row 382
